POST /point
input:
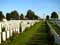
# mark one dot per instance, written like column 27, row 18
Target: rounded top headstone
column 4, row 20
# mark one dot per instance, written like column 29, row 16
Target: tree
column 47, row 17
column 36, row 17
column 1, row 16
column 8, row 16
column 31, row 15
column 54, row 15
column 21, row 16
column 14, row 15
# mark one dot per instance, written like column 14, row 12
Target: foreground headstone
column 0, row 33
column 18, row 30
column 4, row 36
column 0, row 37
column 23, row 27
column 0, row 28
column 8, row 34
column 11, row 33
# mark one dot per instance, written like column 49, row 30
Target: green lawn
column 37, row 34
column 40, row 37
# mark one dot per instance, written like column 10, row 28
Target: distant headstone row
column 7, row 28
column 56, row 22
column 53, row 32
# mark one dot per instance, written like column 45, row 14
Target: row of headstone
column 9, row 27
column 56, row 22
column 54, row 33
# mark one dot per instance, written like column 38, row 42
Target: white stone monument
column 4, row 36
column 8, row 34
column 0, row 37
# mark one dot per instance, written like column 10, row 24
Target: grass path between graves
column 36, row 31
column 41, row 36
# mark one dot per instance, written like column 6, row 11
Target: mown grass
column 40, row 37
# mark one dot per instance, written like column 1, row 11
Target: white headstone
column 4, row 36
column 0, row 37
column 0, row 28
column 23, row 27
column 18, row 30
column 11, row 33
column 8, row 34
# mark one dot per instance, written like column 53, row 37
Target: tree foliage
column 8, row 16
column 31, row 15
column 14, row 15
column 47, row 17
column 54, row 15
column 22, row 16
column 1, row 16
